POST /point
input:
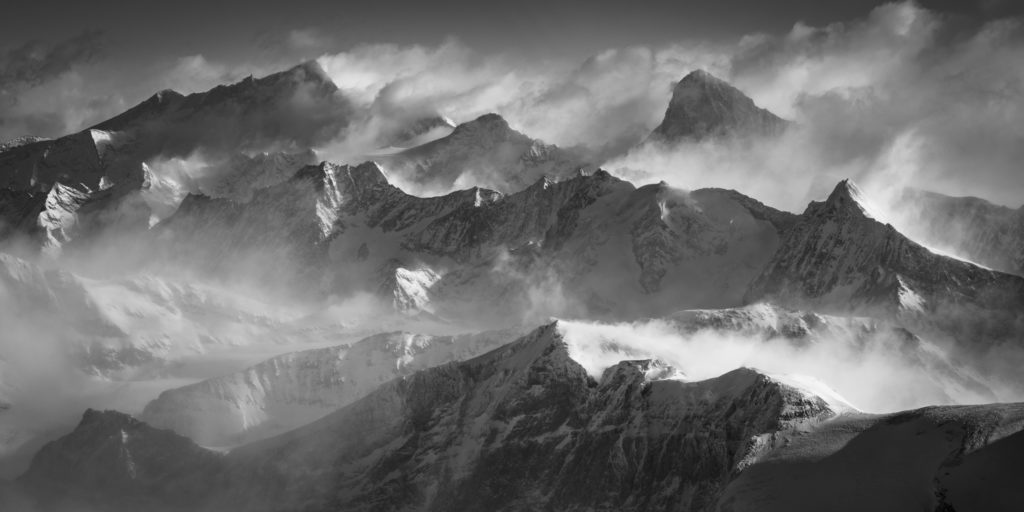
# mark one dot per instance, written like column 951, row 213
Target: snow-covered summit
column 841, row 257
column 484, row 152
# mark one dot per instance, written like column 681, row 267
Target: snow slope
column 525, row 419
column 293, row 389
column 484, row 152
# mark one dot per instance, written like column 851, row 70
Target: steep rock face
column 937, row 458
column 942, row 377
column 294, row 389
column 113, row 461
column 408, row 289
column 969, row 227
column 526, row 427
column 839, row 256
column 690, row 248
column 19, row 214
column 484, row 152
column 242, row 175
column 291, row 111
column 91, row 159
column 704, row 106
column 292, row 226
column 675, row 228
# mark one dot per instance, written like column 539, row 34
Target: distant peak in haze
column 699, row 75
column 310, row 70
column 490, row 122
column 705, row 106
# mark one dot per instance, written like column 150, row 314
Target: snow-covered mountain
column 294, row 389
column 416, row 132
column 525, row 426
column 704, row 106
column 605, row 245
column 484, row 152
column 967, row 227
column 294, row 110
column 937, row 375
column 108, row 327
column 99, row 177
column 840, row 256
column 201, row 225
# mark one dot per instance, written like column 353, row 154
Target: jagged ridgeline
column 525, row 427
column 387, row 307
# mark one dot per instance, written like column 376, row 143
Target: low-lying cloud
column 876, row 375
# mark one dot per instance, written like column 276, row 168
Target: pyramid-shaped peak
column 490, row 122
column 846, row 188
column 848, row 197
column 368, row 173
column 705, row 106
column 308, row 72
column 310, row 69
column 699, row 76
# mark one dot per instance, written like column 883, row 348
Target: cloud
column 295, row 43
column 860, row 86
column 854, row 88
column 36, row 62
column 878, row 373
column 615, row 95
column 194, row 73
column 902, row 77
column 36, row 67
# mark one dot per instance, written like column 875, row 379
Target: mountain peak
column 368, row 174
column 310, row 70
column 487, row 122
column 110, row 418
column 705, row 106
column 848, row 197
column 701, row 76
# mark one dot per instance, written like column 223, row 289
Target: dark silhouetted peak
column 846, row 198
column 705, row 106
column 113, row 419
column 700, row 76
column 365, row 174
column 368, row 174
column 487, row 123
column 309, row 71
column 166, row 96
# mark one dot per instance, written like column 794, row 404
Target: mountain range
column 526, row 427
column 474, row 319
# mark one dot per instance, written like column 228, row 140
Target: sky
column 936, row 83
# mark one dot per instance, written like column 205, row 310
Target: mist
column 901, row 98
column 875, row 375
